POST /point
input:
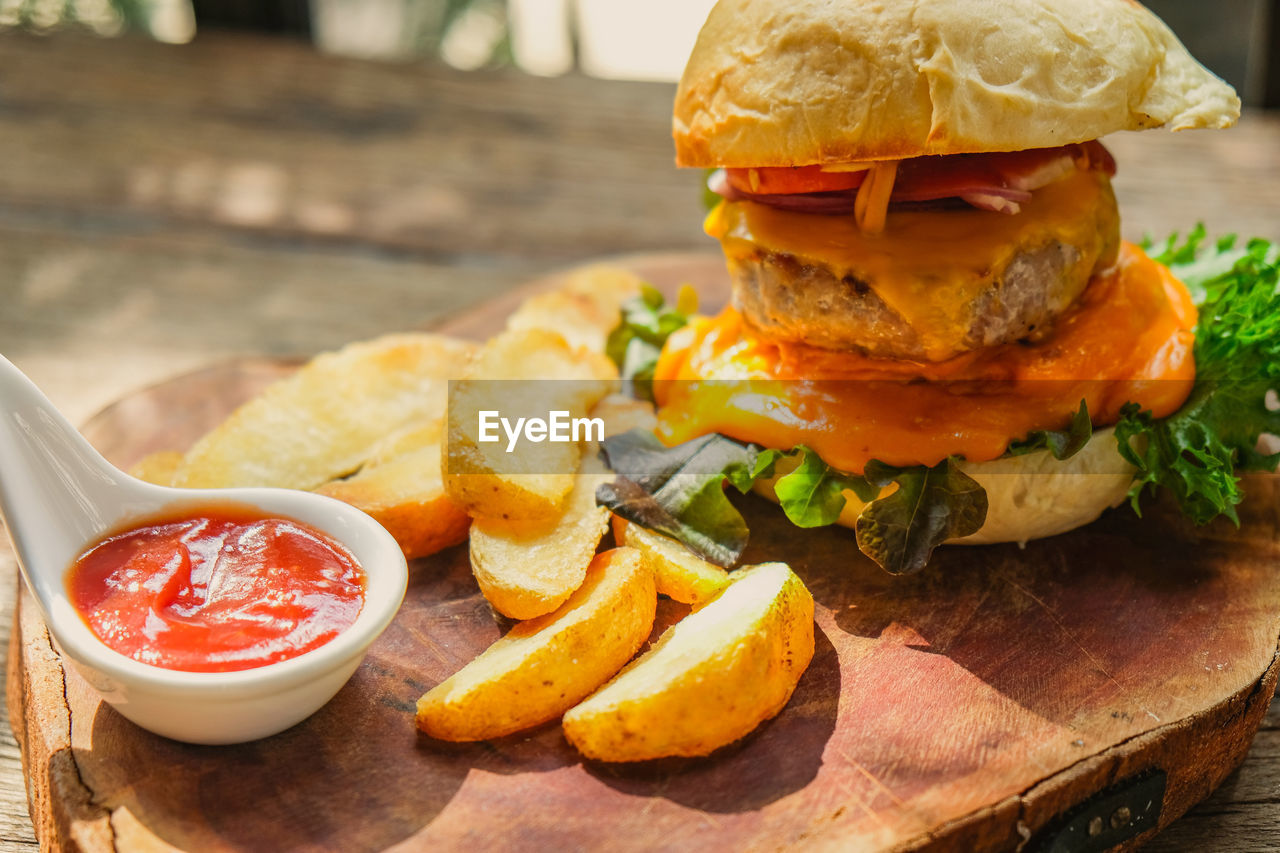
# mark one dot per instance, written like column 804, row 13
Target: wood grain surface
column 164, row 208
column 963, row 708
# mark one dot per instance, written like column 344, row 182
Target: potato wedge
column 710, row 679
column 408, row 440
column 584, row 310
column 522, row 374
column 403, row 489
column 679, row 574
column 158, row 467
column 544, row 666
column 528, row 568
column 325, row 420
column 621, row 413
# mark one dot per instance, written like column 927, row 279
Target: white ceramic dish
column 58, row 496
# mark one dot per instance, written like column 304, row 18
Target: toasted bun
column 798, row 82
column 1031, row 496
column 1034, row 496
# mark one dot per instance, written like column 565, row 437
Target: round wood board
column 967, row 707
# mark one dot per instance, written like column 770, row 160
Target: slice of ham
column 1000, row 181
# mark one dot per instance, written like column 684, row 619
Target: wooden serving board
column 967, row 707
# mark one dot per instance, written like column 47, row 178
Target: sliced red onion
column 1054, row 170
column 830, row 203
column 833, row 202
column 1007, row 196
column 926, row 193
column 1004, row 201
column 718, row 183
column 1099, row 157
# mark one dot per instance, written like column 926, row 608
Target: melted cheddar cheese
column 871, row 209
column 1129, row 338
column 930, row 267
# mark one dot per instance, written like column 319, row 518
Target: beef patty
column 1017, row 294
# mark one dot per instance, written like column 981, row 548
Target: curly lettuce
column 1196, row 453
column 1062, row 443
column 636, row 342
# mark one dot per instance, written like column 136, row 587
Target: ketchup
column 215, row 589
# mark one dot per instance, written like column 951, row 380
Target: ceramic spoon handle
column 53, row 484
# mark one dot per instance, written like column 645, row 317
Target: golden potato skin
column 527, row 569
column 329, row 418
column 158, row 467
column 423, row 519
column 583, row 309
column 402, row 488
column 678, row 573
column 711, row 678
column 531, row 484
column 544, row 666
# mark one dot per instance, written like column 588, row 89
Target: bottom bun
column 1030, row 496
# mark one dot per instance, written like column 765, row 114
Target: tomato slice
column 922, row 177
column 792, row 180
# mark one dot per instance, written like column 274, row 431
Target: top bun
column 798, row 82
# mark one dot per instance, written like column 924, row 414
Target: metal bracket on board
column 1110, row 817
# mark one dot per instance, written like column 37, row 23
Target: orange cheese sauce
column 928, row 266
column 1129, row 338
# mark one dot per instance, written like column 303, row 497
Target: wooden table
column 165, row 207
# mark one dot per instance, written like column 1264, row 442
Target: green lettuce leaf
column 812, row 494
column 1062, row 443
column 1196, row 452
column 1193, row 265
column 679, row 491
column 930, row 506
column 636, row 342
column 710, row 198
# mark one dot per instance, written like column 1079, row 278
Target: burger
column 936, row 333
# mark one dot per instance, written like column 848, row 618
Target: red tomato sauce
column 216, row 589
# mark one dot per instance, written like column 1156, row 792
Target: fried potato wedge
column 325, row 420
column 529, row 373
column 158, row 467
column 528, row 568
column 584, row 310
column 679, row 574
column 403, row 489
column 544, row 666
column 710, row 679
column 408, row 440
column 621, row 413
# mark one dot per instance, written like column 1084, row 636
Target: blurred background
column 614, row 39
column 262, row 155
